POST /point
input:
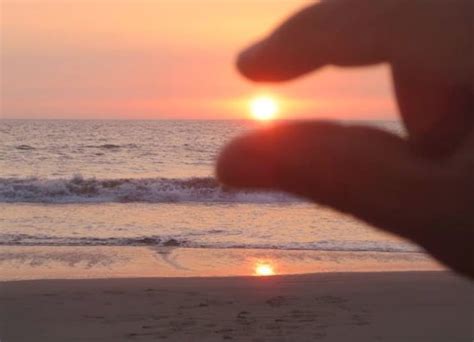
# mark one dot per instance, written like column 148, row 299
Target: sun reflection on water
column 264, row 269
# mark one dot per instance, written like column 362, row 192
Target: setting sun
column 264, row 270
column 264, row 108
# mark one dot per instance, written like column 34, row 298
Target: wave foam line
column 183, row 241
column 151, row 190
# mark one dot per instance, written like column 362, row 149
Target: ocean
column 87, row 185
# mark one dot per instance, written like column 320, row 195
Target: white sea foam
column 152, row 190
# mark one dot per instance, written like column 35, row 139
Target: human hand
column 421, row 187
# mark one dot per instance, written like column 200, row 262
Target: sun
column 264, row 269
column 264, row 108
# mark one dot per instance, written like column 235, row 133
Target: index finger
column 340, row 32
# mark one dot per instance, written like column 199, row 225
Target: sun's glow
column 264, row 108
column 264, row 269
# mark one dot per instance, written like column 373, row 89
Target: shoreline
column 357, row 306
column 65, row 262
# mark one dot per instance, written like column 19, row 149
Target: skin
column 421, row 186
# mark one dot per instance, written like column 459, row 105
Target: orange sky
column 149, row 59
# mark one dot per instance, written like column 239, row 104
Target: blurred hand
column 421, row 187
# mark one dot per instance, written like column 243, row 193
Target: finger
column 363, row 171
column 428, row 44
column 438, row 114
column 344, row 32
column 433, row 72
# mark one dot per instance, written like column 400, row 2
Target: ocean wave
column 188, row 242
column 151, row 190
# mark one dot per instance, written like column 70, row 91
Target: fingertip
column 242, row 164
column 261, row 63
column 247, row 60
column 265, row 62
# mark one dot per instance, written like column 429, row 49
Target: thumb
column 363, row 171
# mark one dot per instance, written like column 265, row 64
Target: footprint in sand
column 244, row 319
column 113, row 292
column 330, row 300
column 93, row 317
column 276, row 301
column 359, row 320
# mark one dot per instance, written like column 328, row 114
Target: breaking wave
column 151, row 190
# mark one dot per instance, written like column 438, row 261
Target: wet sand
column 390, row 306
column 88, row 262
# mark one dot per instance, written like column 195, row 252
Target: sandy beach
column 389, row 306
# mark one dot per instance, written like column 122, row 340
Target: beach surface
column 379, row 306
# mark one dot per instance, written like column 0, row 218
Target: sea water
column 66, row 185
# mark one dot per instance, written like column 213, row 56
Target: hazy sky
column 160, row 59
